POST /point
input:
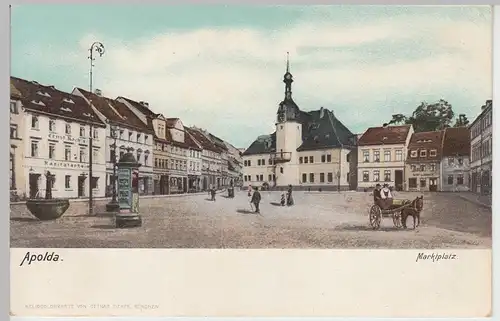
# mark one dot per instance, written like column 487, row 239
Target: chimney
column 144, row 103
column 98, row 92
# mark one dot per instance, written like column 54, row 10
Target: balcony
column 281, row 157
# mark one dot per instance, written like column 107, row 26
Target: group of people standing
column 256, row 197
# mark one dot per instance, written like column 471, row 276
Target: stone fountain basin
column 46, row 210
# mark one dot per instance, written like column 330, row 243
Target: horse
column 413, row 210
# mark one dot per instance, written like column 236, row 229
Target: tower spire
column 287, row 62
column 288, row 78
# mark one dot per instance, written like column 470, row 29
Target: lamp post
column 99, row 48
column 113, row 206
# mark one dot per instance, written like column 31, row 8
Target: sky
column 220, row 67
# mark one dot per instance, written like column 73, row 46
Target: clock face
column 288, row 76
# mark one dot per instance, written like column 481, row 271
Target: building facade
column 125, row 132
column 235, row 165
column 308, row 149
column 481, row 169
column 56, row 140
column 382, row 156
column 210, row 159
column 16, row 160
column 423, row 165
column 455, row 165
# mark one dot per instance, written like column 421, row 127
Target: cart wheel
column 396, row 219
column 375, row 216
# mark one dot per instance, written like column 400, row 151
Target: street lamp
column 99, row 48
column 113, row 206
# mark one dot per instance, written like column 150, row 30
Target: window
column 52, row 125
column 13, row 131
column 376, row 176
column 121, row 133
column 399, row 155
column 146, row 139
column 366, row 176
column 330, row 177
column 412, row 183
column 67, row 182
column 387, row 175
column 67, row 153
column 433, row 167
column 451, row 161
column 423, row 182
column 311, row 177
column 130, row 136
column 68, row 129
column 245, row 178
column 323, row 158
column 387, row 156
column 52, row 150
column 82, row 131
column 138, row 157
column 53, row 181
column 263, row 162
column 12, row 172
column 433, row 153
column 450, row 179
column 376, row 156
column 257, row 178
column 261, row 177
column 413, row 168
column 311, row 159
column 82, row 155
column 95, row 155
column 139, row 138
column 34, row 122
column 270, row 177
column 94, row 182
column 13, row 107
column 348, row 158
column 422, row 167
column 281, row 170
column 306, row 159
column 460, row 161
column 329, row 158
column 258, row 162
column 366, row 156
column 322, row 177
column 34, row 149
column 249, row 163
column 423, row 153
column 460, row 179
column 95, row 133
column 413, row 154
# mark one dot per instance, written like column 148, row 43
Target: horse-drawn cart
column 395, row 210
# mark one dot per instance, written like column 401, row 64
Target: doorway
column 398, row 180
column 33, row 182
column 433, row 185
column 81, row 185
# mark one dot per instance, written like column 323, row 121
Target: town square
column 299, row 137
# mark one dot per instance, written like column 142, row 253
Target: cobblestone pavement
column 318, row 220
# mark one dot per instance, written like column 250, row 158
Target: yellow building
column 16, row 165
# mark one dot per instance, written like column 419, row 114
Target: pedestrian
column 212, row 192
column 289, row 200
column 249, row 190
column 376, row 194
column 283, row 199
column 256, row 199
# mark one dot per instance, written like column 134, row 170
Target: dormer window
column 43, row 93
column 52, row 125
column 37, row 102
column 413, row 154
column 66, row 109
column 433, row 153
column 88, row 115
column 68, row 100
column 423, row 153
column 384, row 138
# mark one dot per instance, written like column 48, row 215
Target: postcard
column 251, row 160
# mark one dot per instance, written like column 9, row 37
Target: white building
column 308, row 150
column 481, row 166
column 455, row 165
column 132, row 135
column 57, row 133
column 17, row 131
column 210, row 159
column 382, row 156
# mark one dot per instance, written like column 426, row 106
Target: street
column 318, row 220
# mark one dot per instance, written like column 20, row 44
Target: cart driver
column 376, row 194
column 386, row 197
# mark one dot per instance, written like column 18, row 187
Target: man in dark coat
column 289, row 198
column 256, row 199
column 376, row 194
column 212, row 193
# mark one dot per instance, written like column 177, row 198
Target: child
column 283, row 199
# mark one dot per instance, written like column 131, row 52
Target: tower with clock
column 288, row 134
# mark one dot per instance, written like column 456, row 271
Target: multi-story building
column 423, row 162
column 455, row 165
column 223, row 161
column 482, row 150
column 17, row 130
column 131, row 135
column 235, row 165
column 382, row 155
column 210, row 159
column 57, row 131
column 308, row 149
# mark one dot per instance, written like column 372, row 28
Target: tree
column 427, row 117
column 461, row 121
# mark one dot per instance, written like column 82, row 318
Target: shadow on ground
column 368, row 228
column 243, row 211
column 25, row 219
column 275, row 203
column 104, row 227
